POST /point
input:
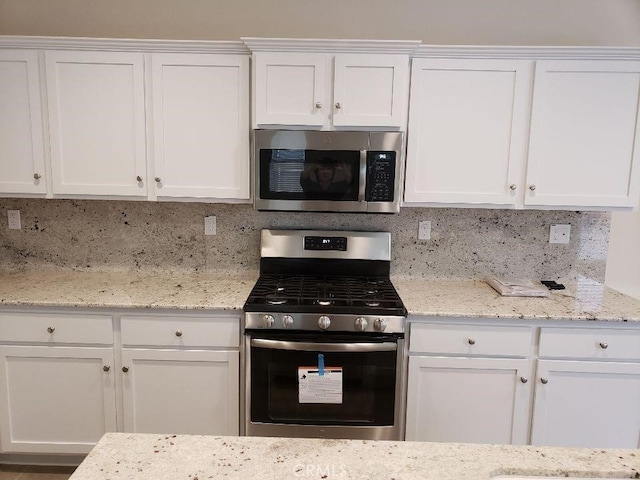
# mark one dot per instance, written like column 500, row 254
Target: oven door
column 334, row 386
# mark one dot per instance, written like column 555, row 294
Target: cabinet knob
column 318, row 105
column 604, row 345
column 524, row 379
column 37, row 176
column 338, row 106
column 158, row 179
column 471, row 341
column 106, row 368
column 178, row 333
column 513, row 186
column 51, row 329
column 532, row 187
column 139, row 178
column 125, row 369
column 544, row 380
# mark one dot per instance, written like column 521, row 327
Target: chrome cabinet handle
column 544, row 380
column 139, row 178
column 178, row 333
column 604, row 345
column 125, row 369
column 51, row 329
column 524, row 379
column 318, row 105
column 158, row 179
column 106, row 368
column 338, row 106
column 471, row 341
column 532, row 187
column 513, row 186
column 37, row 176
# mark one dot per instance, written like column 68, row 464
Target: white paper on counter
column 316, row 388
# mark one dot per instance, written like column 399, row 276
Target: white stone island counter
column 159, row 457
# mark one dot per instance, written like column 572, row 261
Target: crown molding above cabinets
column 526, row 52
column 400, row 47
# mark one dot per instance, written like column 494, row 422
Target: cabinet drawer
column 590, row 343
column 56, row 328
column 470, row 340
column 178, row 331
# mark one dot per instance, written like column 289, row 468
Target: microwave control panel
column 381, row 177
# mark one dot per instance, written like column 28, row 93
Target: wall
column 465, row 243
column 459, row 22
column 623, row 264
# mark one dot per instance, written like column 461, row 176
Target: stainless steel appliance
column 327, row 171
column 324, row 338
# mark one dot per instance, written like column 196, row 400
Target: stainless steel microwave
column 314, row 171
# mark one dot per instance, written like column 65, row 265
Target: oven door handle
column 324, row 347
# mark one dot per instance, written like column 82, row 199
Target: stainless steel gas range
column 324, row 338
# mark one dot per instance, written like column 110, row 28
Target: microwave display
column 309, row 174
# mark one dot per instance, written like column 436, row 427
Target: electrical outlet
column 210, row 227
column 424, row 230
column 559, row 233
column 14, row 219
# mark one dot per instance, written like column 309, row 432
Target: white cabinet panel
column 22, row 168
column 467, row 131
column 185, row 392
column 97, row 122
column 201, row 125
column 55, row 399
column 476, row 400
column 585, row 136
column 587, row 404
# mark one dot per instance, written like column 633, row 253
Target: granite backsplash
column 101, row 235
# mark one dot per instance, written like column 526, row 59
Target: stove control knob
column 324, row 322
column 287, row 321
column 361, row 324
column 268, row 321
column 379, row 325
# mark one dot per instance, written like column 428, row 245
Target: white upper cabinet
column 585, row 136
column 330, row 84
column 22, row 168
column 201, row 125
column 467, row 130
column 97, row 122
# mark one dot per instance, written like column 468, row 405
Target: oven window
column 368, row 388
column 309, row 174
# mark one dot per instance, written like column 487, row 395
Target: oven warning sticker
column 317, row 385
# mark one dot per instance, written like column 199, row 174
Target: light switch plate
column 210, row 227
column 560, row 233
column 424, row 230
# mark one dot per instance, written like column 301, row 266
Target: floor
column 23, row 472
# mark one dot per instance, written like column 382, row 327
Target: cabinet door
column 97, row 123
column 370, row 90
column 474, row 400
column 21, row 133
column 587, row 404
column 467, row 124
column 585, row 140
column 181, row 391
column 290, row 89
column 201, row 125
column 55, row 399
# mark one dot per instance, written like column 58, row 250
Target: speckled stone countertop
column 584, row 300
column 158, row 457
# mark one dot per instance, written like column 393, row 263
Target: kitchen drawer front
column 181, row 331
column 56, row 328
column 590, row 343
column 471, row 340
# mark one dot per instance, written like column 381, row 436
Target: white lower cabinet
column 55, row 396
column 589, row 395
column 457, row 392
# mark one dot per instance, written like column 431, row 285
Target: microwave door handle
column 363, row 175
column 323, row 347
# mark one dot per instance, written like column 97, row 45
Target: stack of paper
column 517, row 288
